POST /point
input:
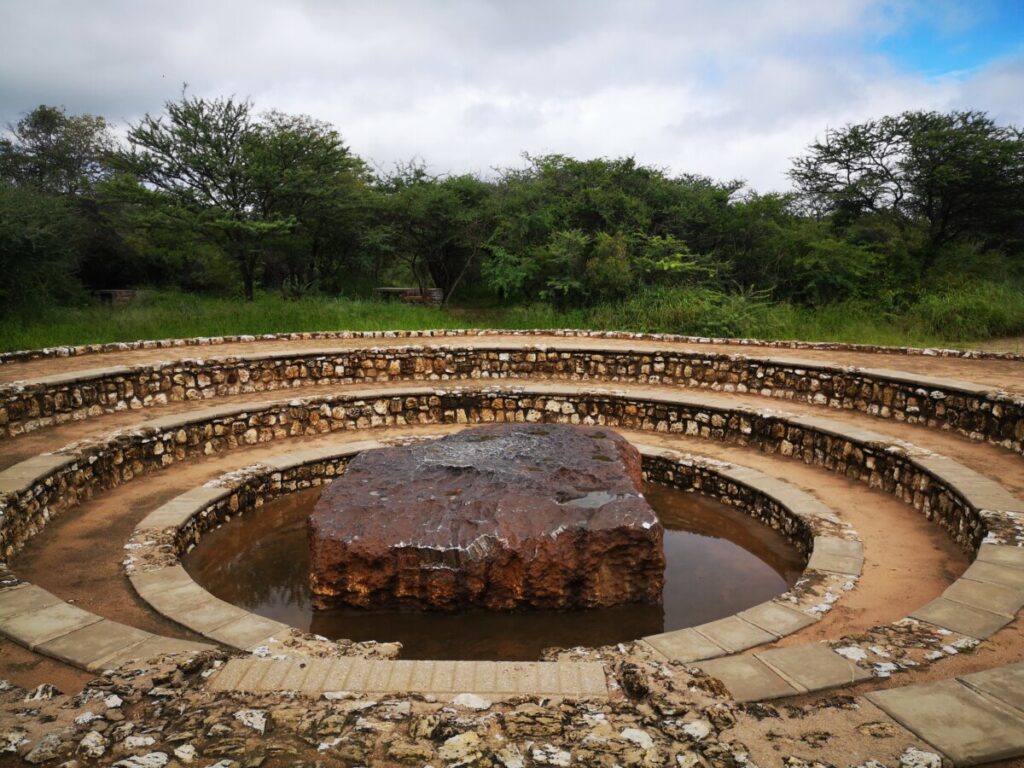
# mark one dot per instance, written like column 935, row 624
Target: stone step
column 973, row 720
column 781, row 672
column 42, row 622
column 313, row 676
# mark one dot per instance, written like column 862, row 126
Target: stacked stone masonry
column 969, row 409
column 118, row 459
column 43, row 353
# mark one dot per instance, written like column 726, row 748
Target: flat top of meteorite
column 503, row 483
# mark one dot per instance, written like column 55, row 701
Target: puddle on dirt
column 718, row 562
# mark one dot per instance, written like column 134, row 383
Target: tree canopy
column 210, row 194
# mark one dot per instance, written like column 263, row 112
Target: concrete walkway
column 42, row 622
column 974, row 719
column 487, row 678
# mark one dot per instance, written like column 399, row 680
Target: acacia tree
column 204, row 156
column 304, row 170
column 955, row 175
column 439, row 225
column 56, row 152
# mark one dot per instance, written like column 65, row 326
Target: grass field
column 955, row 317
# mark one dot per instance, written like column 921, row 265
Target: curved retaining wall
column 207, row 341
column 967, row 408
column 42, row 487
column 174, row 528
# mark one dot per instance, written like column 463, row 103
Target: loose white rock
column 638, row 737
column 461, row 749
column 253, row 718
column 551, row 755
column 93, row 744
column 697, row 730
column 149, row 760
column 852, row 652
column 511, row 757
column 186, row 753
column 917, row 758
column 471, row 701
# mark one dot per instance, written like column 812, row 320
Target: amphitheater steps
column 974, row 719
column 493, row 679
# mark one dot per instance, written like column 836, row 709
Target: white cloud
column 726, row 89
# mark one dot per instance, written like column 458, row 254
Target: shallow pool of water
column 718, row 562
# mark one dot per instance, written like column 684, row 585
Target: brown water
column 718, row 562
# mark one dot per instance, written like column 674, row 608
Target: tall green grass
column 955, row 316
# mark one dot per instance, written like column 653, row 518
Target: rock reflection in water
column 719, row 561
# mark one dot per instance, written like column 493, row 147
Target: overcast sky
column 728, row 89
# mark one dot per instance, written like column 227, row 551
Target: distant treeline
column 213, row 196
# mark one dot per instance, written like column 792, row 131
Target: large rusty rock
column 502, row 516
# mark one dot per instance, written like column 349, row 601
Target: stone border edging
column 914, row 476
column 857, row 453
column 159, row 539
column 42, row 622
column 197, row 341
column 970, row 409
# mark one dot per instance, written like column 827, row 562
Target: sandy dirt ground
column 908, row 560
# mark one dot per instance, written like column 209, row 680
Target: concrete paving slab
column 313, row 676
column 568, row 677
column 173, row 514
column 526, row 677
column 777, row 618
column 246, row 631
column 1001, row 554
column 195, row 608
column 319, row 453
column 358, row 673
column 155, row 646
column 844, row 566
column 748, row 678
column 338, row 674
column 250, row 681
column 1004, row 576
column 318, row 672
column 1005, row 683
column 85, row 647
column 833, row 545
column 734, row 634
column 275, row 675
column 464, row 674
column 685, row 645
column 930, row 382
column 38, row 627
column 979, row 490
column 294, row 678
column 813, row 666
column 443, row 679
column 233, row 670
column 421, row 676
column 148, row 583
column 967, row 727
column 835, row 555
column 988, row 597
column 22, row 475
column 961, row 618
column 401, row 674
column 379, row 676
column 23, row 599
